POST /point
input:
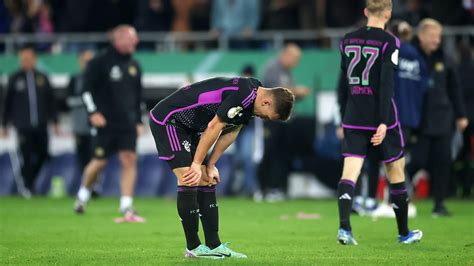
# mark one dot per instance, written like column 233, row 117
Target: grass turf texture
column 46, row 231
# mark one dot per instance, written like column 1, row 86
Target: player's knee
column 128, row 159
column 97, row 164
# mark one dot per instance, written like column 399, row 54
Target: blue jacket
column 411, row 83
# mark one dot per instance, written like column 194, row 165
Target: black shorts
column 175, row 145
column 107, row 143
column 357, row 144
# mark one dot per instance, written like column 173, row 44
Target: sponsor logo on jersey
column 234, row 111
column 20, row 85
column 115, row 73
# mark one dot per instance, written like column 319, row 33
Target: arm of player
column 208, row 138
column 226, row 138
column 92, row 77
column 455, row 96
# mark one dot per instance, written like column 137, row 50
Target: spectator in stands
column 451, row 12
column 29, row 106
column 442, row 104
column 107, row 14
column 80, row 117
column 281, row 15
column 466, row 70
column 201, row 15
column 237, row 19
column 30, row 16
column 4, row 18
column 154, row 15
column 413, row 12
column 278, row 139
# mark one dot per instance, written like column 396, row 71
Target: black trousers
column 34, row 152
column 83, row 149
column 284, row 142
column 466, row 158
column 433, row 153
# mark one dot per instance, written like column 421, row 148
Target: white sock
column 125, row 202
column 84, row 194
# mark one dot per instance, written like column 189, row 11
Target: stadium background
column 178, row 45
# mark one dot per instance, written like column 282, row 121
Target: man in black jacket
column 443, row 107
column 29, row 106
column 113, row 97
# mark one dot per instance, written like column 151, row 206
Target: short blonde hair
column 376, row 7
column 427, row 23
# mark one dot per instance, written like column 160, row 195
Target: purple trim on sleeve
column 249, row 100
column 170, row 138
column 164, row 158
column 341, row 47
column 208, row 189
column 209, row 97
column 354, row 155
column 384, row 48
column 397, row 41
column 347, row 182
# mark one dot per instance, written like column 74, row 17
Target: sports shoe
column 441, row 211
column 412, row 237
column 202, row 252
column 224, row 251
column 130, row 216
column 345, row 237
column 79, row 207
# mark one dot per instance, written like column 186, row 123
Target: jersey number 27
column 356, row 53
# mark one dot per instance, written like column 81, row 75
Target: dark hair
column 248, row 70
column 284, row 100
column 401, row 29
column 26, row 47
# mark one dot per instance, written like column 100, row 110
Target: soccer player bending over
column 369, row 59
column 186, row 124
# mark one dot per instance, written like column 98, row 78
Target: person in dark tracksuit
column 80, row 118
column 29, row 106
column 443, row 106
column 466, row 69
column 113, row 100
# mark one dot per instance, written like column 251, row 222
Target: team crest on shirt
column 234, row 111
column 40, row 81
column 439, row 67
column 187, row 145
column 132, row 70
column 99, row 152
column 115, row 73
column 20, row 85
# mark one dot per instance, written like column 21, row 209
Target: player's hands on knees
column 193, row 175
column 97, row 120
column 213, row 175
column 379, row 136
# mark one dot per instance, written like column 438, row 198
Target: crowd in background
column 226, row 17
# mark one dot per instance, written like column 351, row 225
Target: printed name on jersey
column 234, row 111
column 115, row 73
column 395, row 57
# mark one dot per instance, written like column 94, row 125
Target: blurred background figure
column 443, row 107
column 248, row 149
column 278, row 137
column 236, row 19
column 29, row 107
column 465, row 167
column 79, row 116
column 113, row 99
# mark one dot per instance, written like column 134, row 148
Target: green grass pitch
column 46, row 232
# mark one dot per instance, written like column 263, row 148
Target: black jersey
column 194, row 106
column 112, row 84
column 369, row 58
